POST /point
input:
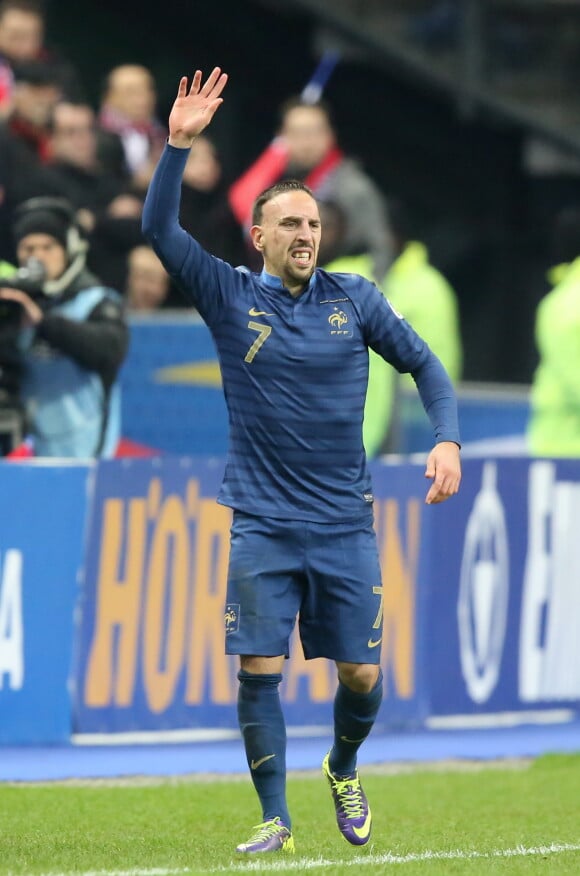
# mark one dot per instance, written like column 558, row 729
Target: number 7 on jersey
column 264, row 332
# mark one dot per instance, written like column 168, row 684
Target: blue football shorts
column 327, row 574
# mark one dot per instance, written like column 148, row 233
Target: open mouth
column 302, row 257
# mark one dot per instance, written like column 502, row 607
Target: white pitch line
column 282, row 865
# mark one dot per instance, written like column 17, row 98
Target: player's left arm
column 394, row 339
column 440, row 403
column 437, row 395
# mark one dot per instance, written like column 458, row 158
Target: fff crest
column 338, row 319
column 232, row 618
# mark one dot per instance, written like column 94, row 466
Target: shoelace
column 349, row 793
column 265, row 831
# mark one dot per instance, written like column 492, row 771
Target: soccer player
column 293, row 347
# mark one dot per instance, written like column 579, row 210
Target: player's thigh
column 341, row 614
column 265, row 586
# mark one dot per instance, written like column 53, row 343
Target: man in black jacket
column 73, row 337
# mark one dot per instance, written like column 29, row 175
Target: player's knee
column 261, row 665
column 359, row 677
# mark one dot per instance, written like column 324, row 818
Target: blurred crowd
column 54, row 144
column 99, row 159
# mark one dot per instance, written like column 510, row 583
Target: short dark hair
column 279, row 188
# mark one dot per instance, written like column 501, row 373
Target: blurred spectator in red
column 205, row 211
column 128, row 108
column 306, row 148
column 6, row 81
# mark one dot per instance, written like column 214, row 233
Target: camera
column 29, row 278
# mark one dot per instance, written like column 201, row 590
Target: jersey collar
column 275, row 283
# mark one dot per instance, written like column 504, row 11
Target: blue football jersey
column 294, row 370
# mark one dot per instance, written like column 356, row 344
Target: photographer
column 71, row 332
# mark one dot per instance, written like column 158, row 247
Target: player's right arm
column 201, row 277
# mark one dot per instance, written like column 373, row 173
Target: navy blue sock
column 264, row 733
column 354, row 716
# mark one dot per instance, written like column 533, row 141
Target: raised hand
column 193, row 110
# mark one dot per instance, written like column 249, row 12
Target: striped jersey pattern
column 294, row 370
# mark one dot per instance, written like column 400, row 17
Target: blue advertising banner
column 151, row 636
column 480, row 598
column 504, row 590
column 42, row 508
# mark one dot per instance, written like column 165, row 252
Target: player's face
column 289, row 238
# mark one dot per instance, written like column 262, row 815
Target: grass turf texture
column 193, row 826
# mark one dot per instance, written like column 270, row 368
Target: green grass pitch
column 505, row 819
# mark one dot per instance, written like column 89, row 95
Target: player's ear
column 257, row 237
